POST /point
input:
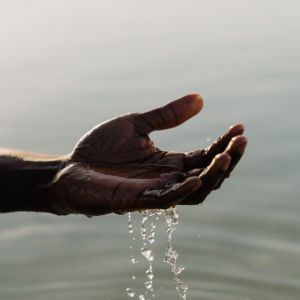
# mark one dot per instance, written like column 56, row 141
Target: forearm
column 25, row 180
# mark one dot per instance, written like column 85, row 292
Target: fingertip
column 237, row 129
column 245, row 139
column 241, row 144
column 222, row 157
column 196, row 102
column 237, row 145
column 183, row 109
column 239, row 140
column 172, row 114
column 223, row 160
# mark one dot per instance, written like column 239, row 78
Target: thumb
column 172, row 114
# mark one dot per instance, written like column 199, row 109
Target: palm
column 112, row 143
column 120, row 154
column 123, row 143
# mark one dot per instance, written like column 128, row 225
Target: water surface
column 67, row 65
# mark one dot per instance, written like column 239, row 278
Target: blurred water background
column 66, row 65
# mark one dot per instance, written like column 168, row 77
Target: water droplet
column 147, row 253
column 148, row 285
column 130, row 292
column 181, row 287
column 151, row 239
column 143, row 232
column 149, row 274
column 147, row 231
column 171, row 255
column 130, row 226
column 134, row 260
column 178, row 270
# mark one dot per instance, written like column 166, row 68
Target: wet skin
column 115, row 167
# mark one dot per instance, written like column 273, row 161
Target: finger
column 170, row 115
column 194, row 172
column 202, row 158
column 235, row 149
column 140, row 172
column 210, row 178
column 95, row 193
column 168, row 196
column 126, row 192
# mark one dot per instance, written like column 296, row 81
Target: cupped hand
column 115, row 167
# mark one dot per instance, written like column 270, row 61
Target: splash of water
column 171, row 255
column 147, row 232
column 148, row 238
column 130, row 292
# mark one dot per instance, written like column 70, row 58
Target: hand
column 115, row 167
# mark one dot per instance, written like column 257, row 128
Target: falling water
column 148, row 237
column 129, row 291
column 147, row 232
column 171, row 256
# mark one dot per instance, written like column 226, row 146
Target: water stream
column 147, row 233
column 171, row 255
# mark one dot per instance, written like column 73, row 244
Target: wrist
column 26, row 180
column 44, row 199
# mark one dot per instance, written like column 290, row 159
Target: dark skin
column 115, row 167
